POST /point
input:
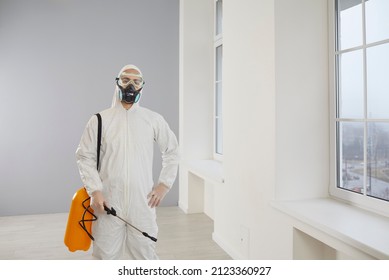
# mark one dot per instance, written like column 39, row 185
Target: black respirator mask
column 129, row 92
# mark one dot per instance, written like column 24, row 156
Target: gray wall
column 58, row 61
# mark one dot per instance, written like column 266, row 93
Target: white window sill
column 210, row 170
column 361, row 229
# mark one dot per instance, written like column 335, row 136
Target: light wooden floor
column 40, row 237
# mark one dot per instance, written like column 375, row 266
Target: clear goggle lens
column 126, row 79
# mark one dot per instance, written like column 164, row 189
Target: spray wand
column 112, row 212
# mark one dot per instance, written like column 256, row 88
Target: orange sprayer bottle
column 78, row 235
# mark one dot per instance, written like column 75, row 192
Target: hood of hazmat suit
column 125, row 176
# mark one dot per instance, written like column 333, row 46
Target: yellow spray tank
column 78, row 235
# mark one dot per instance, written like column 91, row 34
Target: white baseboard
column 227, row 247
column 183, row 207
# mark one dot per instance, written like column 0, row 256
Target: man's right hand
column 97, row 201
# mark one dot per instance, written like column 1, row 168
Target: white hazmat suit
column 125, row 177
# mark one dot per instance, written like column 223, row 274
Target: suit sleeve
column 168, row 145
column 86, row 155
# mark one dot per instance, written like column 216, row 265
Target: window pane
column 218, row 99
column 378, row 160
column 378, row 81
column 349, row 23
column 219, row 136
column 219, row 54
column 350, row 156
column 377, row 20
column 219, row 16
column 350, row 81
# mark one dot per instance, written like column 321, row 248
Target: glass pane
column 378, row 81
column 350, row 79
column 349, row 23
column 218, row 101
column 378, row 160
column 350, row 156
column 219, row 55
column 218, row 74
column 377, row 20
column 219, row 16
column 219, row 136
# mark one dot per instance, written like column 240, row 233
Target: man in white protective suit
column 124, row 180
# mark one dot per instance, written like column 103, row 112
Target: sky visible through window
column 363, row 97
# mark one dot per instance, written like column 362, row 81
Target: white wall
column 275, row 121
column 58, row 61
column 302, row 99
column 196, row 79
column 280, row 47
column 249, row 130
column 196, row 85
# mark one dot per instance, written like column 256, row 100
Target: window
column 218, row 54
column 361, row 102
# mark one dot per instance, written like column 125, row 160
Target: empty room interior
column 277, row 106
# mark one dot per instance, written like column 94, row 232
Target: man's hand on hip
column 157, row 194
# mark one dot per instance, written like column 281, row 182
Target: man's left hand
column 157, row 194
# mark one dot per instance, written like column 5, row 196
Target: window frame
column 218, row 42
column 361, row 200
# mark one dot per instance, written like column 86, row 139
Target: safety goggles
column 125, row 79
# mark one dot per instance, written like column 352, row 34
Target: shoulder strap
column 98, row 139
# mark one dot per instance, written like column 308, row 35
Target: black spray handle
column 110, row 211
